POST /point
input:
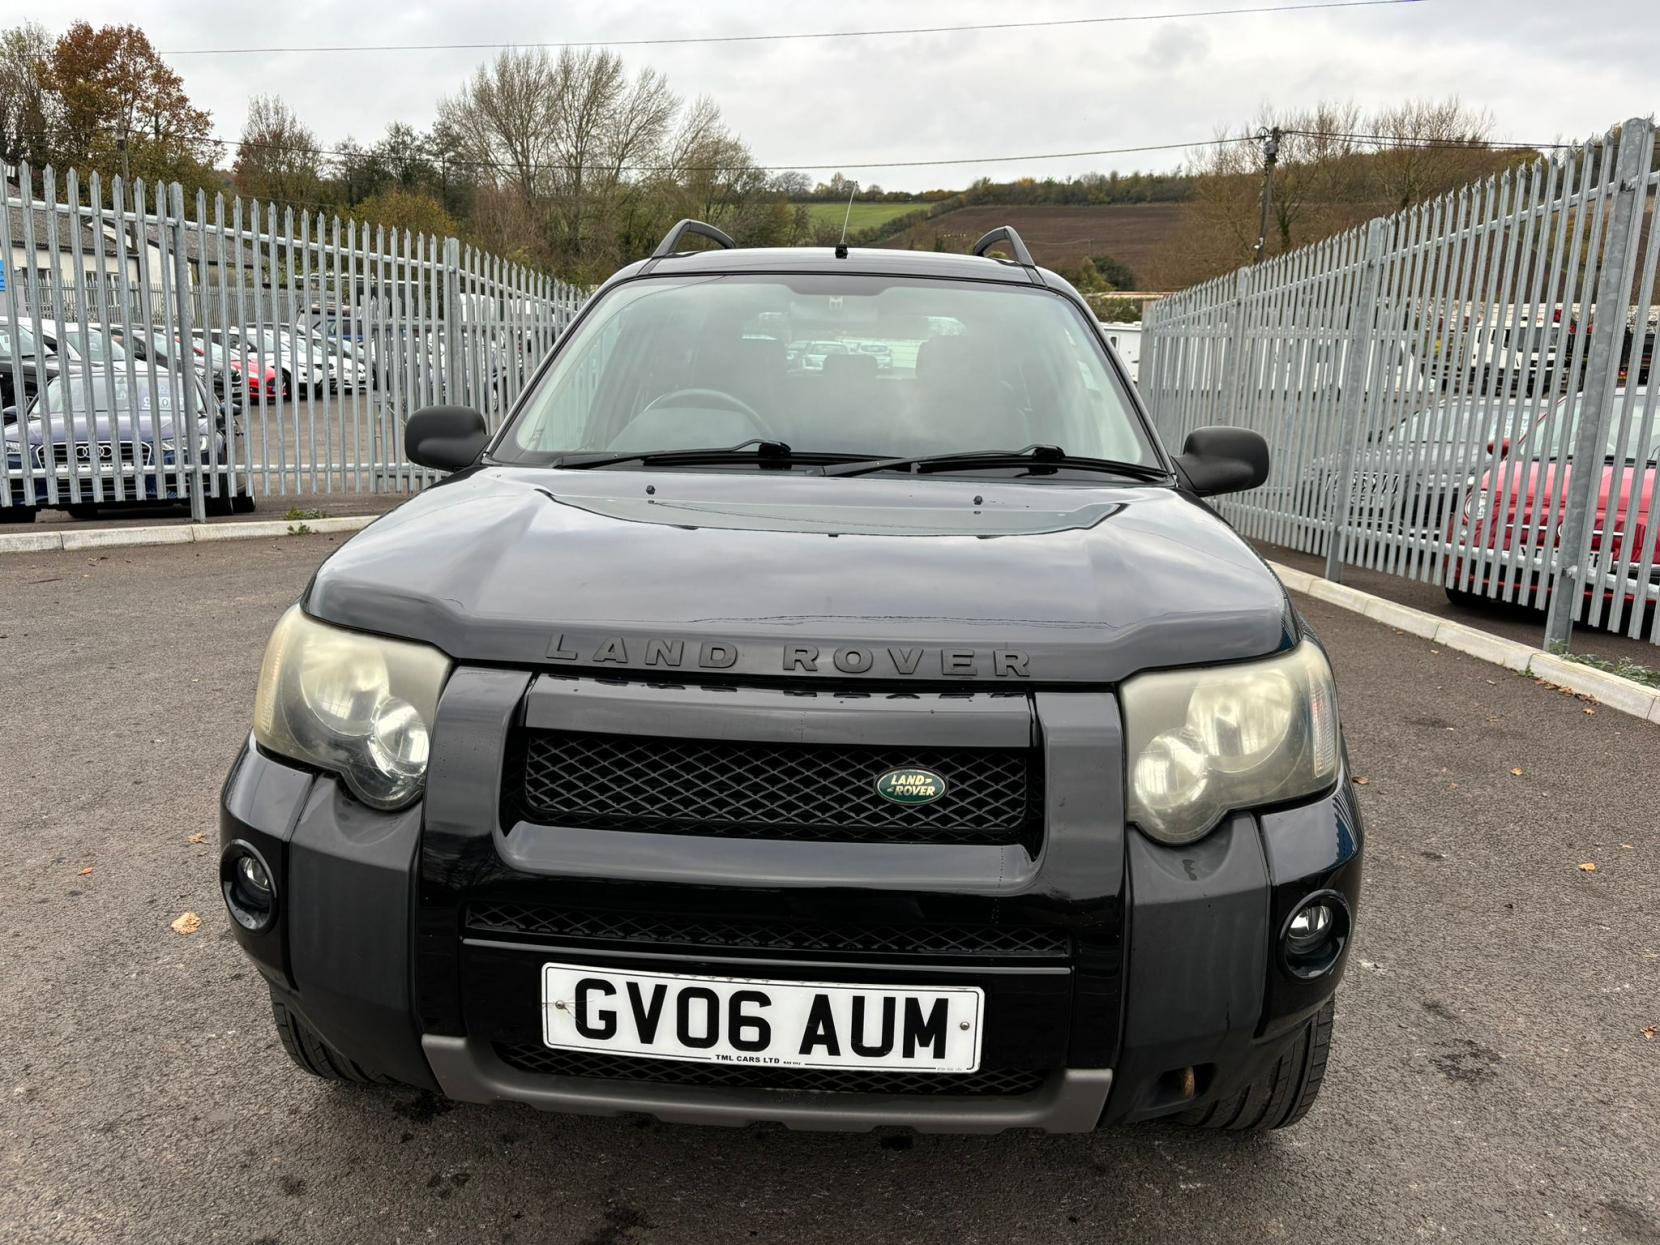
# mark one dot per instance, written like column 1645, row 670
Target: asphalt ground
column 1491, row 1079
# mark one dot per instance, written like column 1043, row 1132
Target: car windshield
column 856, row 364
column 92, row 345
column 1632, row 443
column 1447, row 425
column 267, row 340
column 115, row 393
column 16, row 337
column 145, row 343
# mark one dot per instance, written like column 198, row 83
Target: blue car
column 119, row 436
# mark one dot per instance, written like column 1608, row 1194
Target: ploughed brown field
column 1059, row 236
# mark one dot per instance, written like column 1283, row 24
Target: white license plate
column 790, row 1024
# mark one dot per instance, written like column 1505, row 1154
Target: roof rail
column 1006, row 233
column 671, row 241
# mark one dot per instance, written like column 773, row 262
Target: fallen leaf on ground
column 1627, row 846
column 197, row 838
column 1516, row 773
column 1589, row 712
column 189, row 923
column 1362, row 782
column 1649, row 1032
column 1590, row 866
column 86, row 872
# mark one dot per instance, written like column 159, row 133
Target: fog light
column 1307, row 931
column 249, row 887
column 1315, row 934
column 252, row 871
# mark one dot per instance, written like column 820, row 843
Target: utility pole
column 1270, row 157
column 126, row 173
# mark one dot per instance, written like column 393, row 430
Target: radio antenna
column 841, row 247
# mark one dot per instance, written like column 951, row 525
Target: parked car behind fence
column 120, row 435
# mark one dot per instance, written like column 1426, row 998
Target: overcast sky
column 1544, row 68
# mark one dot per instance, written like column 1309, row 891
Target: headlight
column 169, row 445
column 1203, row 741
column 358, row 705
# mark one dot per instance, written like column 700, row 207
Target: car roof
column 142, row 370
column 867, row 261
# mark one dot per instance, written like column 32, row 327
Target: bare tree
column 792, row 184
column 607, row 127
column 1338, row 166
column 1438, row 144
column 278, row 157
column 26, row 102
column 504, row 118
column 575, row 135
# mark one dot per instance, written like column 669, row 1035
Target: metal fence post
column 1612, row 306
column 185, row 436
column 1234, row 359
column 1362, row 326
column 455, row 389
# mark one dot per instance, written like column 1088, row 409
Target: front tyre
column 306, row 1047
column 1464, row 599
column 1283, row 1094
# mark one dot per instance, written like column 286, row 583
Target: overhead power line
column 667, row 41
column 459, row 162
column 504, row 166
column 1399, row 140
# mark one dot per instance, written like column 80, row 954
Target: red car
column 1520, row 507
column 258, row 385
column 261, row 383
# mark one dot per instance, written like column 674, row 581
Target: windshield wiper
column 1031, row 455
column 756, row 450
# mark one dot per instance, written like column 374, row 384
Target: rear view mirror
column 445, row 438
column 1223, row 460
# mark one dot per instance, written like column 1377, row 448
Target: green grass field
column 864, row 214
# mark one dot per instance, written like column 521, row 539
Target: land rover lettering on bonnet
column 893, row 661
column 823, row 700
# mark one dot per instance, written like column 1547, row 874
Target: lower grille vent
column 735, row 935
column 543, row 1061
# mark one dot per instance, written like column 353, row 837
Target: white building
column 1126, row 340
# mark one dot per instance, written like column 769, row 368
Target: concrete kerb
column 1624, row 695
column 175, row 534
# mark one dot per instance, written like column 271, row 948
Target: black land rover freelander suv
column 729, row 739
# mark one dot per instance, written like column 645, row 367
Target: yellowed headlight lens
column 359, row 705
column 1202, row 741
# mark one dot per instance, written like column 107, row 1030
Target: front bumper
column 1165, row 991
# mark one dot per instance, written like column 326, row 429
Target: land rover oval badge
column 910, row 786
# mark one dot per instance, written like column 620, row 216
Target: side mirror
column 1223, row 460
column 9, row 415
column 1502, row 446
column 445, row 438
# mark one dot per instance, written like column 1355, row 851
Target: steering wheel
column 721, row 398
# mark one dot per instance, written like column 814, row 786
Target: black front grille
column 547, row 1062
column 1024, row 942
column 772, row 790
column 87, row 453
